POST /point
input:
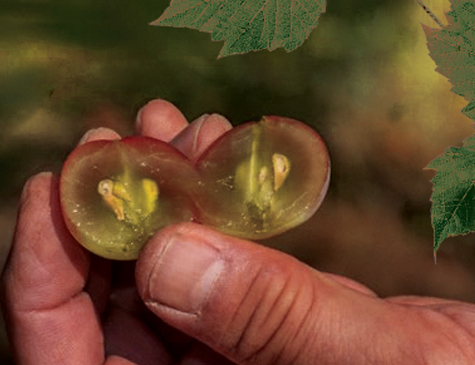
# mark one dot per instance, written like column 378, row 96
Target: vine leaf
column 453, row 193
column 453, row 196
column 247, row 25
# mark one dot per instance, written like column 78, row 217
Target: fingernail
column 202, row 132
column 86, row 136
column 98, row 133
column 185, row 274
column 138, row 120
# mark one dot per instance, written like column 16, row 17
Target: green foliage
column 453, row 198
column 247, row 25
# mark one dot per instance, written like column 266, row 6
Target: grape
column 263, row 178
column 116, row 194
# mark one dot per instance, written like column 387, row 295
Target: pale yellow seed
column 106, row 190
column 105, row 187
column 281, row 165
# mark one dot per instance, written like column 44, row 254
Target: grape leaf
column 453, row 196
column 453, row 50
column 247, row 25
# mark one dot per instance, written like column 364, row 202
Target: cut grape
column 261, row 179
column 116, row 194
column 256, row 181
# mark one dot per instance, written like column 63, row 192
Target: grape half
column 263, row 178
column 116, row 194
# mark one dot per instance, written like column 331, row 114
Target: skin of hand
column 201, row 297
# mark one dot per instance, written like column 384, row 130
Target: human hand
column 203, row 297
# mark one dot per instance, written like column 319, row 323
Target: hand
column 200, row 297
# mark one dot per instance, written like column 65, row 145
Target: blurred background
column 363, row 79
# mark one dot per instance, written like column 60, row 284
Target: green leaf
column 247, row 25
column 453, row 50
column 453, row 196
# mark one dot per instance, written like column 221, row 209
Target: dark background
column 363, row 79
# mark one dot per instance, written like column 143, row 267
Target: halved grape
column 263, row 178
column 116, row 194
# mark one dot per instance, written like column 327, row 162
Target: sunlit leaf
column 453, row 199
column 453, row 50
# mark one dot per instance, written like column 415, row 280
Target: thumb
column 253, row 304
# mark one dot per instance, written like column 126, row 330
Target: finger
column 200, row 134
column 98, row 134
column 160, row 119
column 49, row 315
column 257, row 305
